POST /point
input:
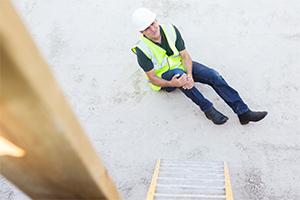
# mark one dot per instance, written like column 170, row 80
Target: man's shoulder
column 171, row 25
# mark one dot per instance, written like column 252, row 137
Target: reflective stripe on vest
column 161, row 61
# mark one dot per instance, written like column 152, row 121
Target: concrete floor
column 254, row 44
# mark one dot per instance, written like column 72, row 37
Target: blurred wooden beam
column 9, row 149
column 60, row 162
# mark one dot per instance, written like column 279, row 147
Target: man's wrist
column 170, row 83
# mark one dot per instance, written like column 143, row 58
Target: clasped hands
column 184, row 81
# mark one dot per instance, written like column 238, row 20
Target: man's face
column 152, row 31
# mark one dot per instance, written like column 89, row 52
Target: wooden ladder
column 190, row 180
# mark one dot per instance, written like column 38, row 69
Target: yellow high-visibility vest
column 161, row 61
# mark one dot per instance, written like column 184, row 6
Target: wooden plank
column 151, row 191
column 9, row 149
column 60, row 162
column 228, row 190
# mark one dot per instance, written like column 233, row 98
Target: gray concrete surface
column 254, row 44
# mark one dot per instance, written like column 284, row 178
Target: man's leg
column 205, row 105
column 211, row 77
column 193, row 93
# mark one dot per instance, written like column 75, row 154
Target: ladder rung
column 191, row 162
column 193, row 169
column 189, row 179
column 193, row 191
column 192, row 165
column 190, row 186
column 188, row 175
column 191, row 196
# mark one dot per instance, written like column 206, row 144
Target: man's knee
column 169, row 74
column 215, row 77
column 178, row 71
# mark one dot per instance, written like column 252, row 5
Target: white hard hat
column 142, row 18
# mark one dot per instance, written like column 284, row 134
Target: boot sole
column 223, row 122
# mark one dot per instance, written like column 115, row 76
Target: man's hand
column 189, row 82
column 179, row 82
column 184, row 81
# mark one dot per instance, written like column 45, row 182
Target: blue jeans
column 211, row 77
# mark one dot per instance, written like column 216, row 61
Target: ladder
column 190, row 180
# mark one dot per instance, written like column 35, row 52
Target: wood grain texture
column 60, row 162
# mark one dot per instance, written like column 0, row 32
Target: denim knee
column 215, row 78
column 169, row 74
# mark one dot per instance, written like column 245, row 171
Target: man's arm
column 188, row 64
column 186, row 61
column 174, row 82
